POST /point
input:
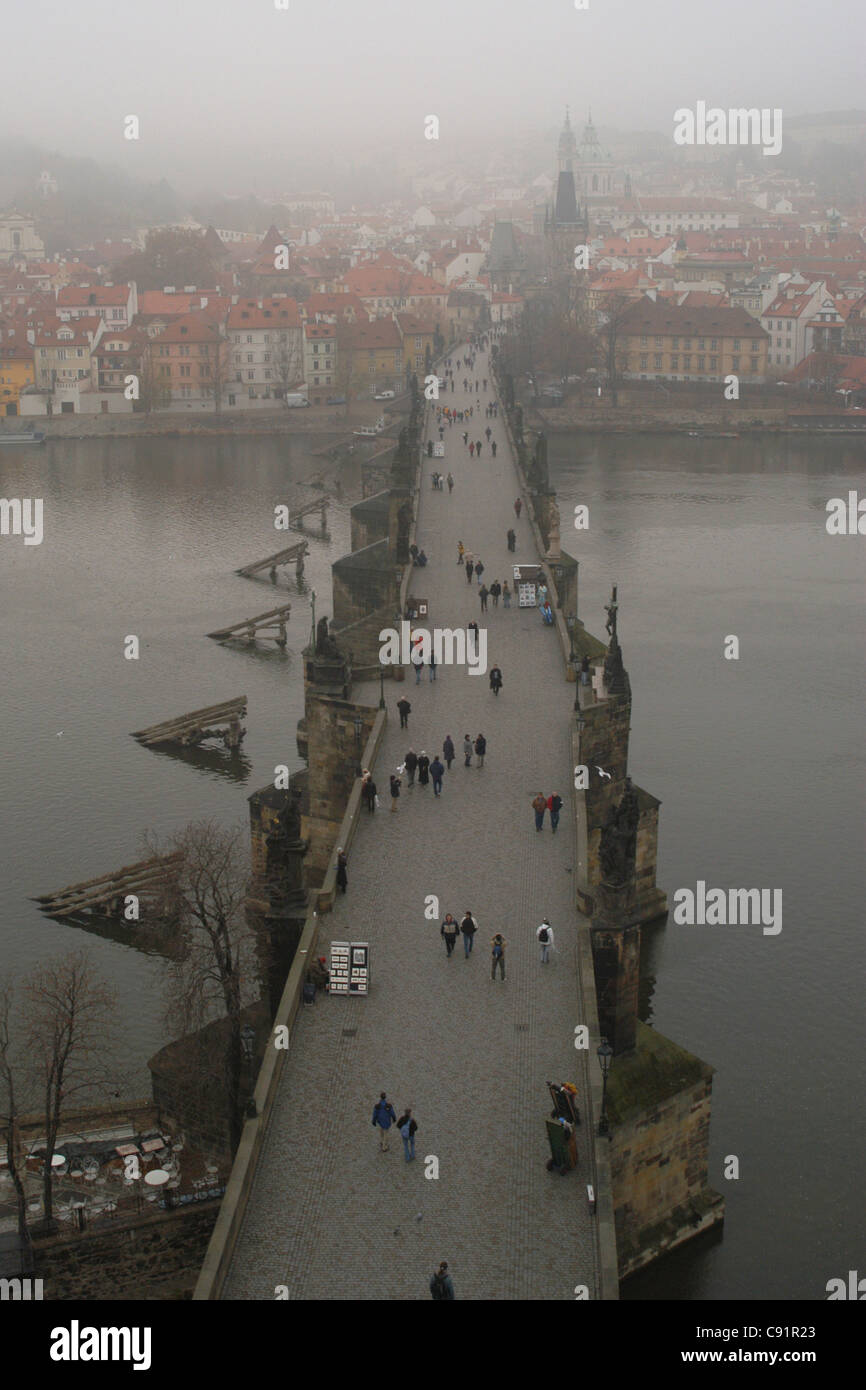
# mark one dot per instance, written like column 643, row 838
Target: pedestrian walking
column 405, row 710
column 467, row 751
column 396, row 784
column 342, row 876
column 437, row 772
column 441, row 1286
column 478, row 448
column 497, row 956
column 473, row 628
column 512, row 538
column 368, row 791
column 479, row 570
column 417, row 662
column 483, row 594
column 544, row 936
column 432, row 664
column 517, row 507
column 495, row 591
column 411, row 763
column 493, row 448
column 461, row 551
column 485, row 383
column 468, row 927
column 407, row 1129
column 469, row 568
column 472, row 450
column 539, row 806
column 554, row 806
column 384, row 1116
column 480, row 749
column 448, row 931
column 495, row 679
column 541, row 595
column 448, row 750
column 423, row 768
column 488, row 433
column 450, row 482
column 506, row 595
column 465, row 432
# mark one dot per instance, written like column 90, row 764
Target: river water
column 758, row 762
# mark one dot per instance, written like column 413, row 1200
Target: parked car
column 295, row 399
column 384, row 395
column 336, row 400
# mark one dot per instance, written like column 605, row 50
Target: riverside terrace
column 329, row 1216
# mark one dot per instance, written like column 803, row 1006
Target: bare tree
column 218, row 974
column 68, row 1017
column 154, row 394
column 286, row 360
column 826, row 368
column 9, row 1112
column 612, row 324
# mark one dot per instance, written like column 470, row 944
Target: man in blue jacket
column 384, row 1116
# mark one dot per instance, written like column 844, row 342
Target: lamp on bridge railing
column 605, row 1055
column 359, row 724
column 381, row 687
column 248, row 1045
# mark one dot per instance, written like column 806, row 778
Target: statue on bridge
column 325, row 643
column 611, row 611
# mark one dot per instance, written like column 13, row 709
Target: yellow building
column 418, row 341
column 660, row 341
column 16, row 372
column 371, row 358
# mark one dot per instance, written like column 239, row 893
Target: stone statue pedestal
column 616, row 963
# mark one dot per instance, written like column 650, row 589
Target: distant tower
column 595, row 171
column 565, row 224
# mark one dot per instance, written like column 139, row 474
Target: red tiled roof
column 275, row 312
column 645, row 316
column 81, row 296
column 192, row 328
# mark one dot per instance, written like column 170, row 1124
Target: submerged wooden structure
column 251, row 628
column 105, row 895
column 214, row 721
column 291, row 553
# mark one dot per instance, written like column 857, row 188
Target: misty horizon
column 251, row 99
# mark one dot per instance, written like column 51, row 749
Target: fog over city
column 245, row 96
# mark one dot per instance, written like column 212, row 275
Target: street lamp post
column 248, row 1043
column 359, row 724
column 605, row 1054
column 381, row 688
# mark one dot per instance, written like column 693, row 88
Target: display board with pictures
column 339, row 978
column 359, row 972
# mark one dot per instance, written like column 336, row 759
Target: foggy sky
column 229, row 92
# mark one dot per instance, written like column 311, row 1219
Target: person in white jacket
column 544, row 935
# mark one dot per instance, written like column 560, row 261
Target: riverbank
column 712, row 422
column 180, row 424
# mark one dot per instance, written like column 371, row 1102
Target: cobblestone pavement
column 329, row 1215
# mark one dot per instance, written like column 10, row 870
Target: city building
column 117, row 305
column 372, row 356
column 320, row 362
column 661, row 341
column 267, row 347
column 18, row 240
